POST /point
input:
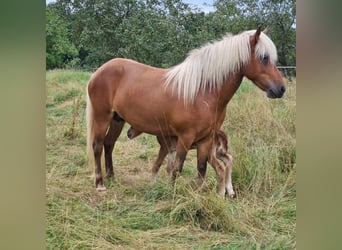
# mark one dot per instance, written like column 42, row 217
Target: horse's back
column 128, row 72
column 112, row 69
column 109, row 72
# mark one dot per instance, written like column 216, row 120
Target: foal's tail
column 90, row 130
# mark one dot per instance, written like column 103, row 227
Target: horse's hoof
column 231, row 193
column 232, row 196
column 101, row 189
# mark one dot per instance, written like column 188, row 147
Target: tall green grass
column 135, row 214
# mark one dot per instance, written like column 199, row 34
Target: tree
column 60, row 51
column 157, row 32
column 279, row 16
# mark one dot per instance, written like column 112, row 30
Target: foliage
column 279, row 16
column 135, row 214
column 87, row 33
column 60, row 51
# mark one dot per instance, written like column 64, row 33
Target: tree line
column 84, row 34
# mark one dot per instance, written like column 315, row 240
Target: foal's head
column 261, row 68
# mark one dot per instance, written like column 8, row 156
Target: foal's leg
column 228, row 161
column 156, row 166
column 172, row 153
column 170, row 160
column 220, row 172
column 113, row 133
column 167, row 146
column 163, row 151
column 220, row 152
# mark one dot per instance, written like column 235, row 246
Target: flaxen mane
column 206, row 68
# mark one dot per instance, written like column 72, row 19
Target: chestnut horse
column 219, row 151
column 187, row 101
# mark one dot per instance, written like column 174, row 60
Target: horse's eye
column 265, row 60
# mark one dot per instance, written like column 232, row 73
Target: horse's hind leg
column 100, row 129
column 112, row 135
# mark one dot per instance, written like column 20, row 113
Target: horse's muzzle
column 276, row 92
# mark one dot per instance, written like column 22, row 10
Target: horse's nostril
column 282, row 89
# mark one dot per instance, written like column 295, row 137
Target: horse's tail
column 90, row 130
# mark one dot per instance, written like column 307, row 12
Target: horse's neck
column 228, row 89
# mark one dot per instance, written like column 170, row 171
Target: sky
column 202, row 4
column 199, row 3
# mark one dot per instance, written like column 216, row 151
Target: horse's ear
column 256, row 35
column 265, row 30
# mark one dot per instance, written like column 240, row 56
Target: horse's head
column 261, row 68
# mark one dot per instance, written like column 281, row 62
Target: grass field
column 135, row 214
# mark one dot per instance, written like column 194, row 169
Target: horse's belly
column 158, row 113
column 149, row 124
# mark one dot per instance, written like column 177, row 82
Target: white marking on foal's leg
column 170, row 160
column 221, row 190
column 154, row 178
column 101, row 189
column 230, row 190
column 229, row 185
